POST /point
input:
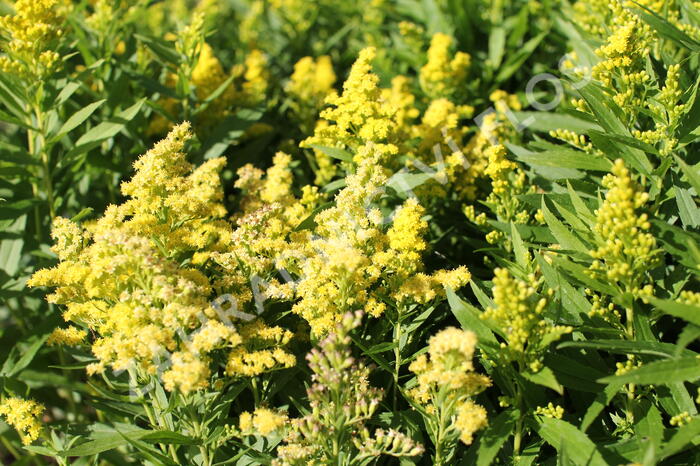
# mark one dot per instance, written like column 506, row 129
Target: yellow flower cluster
column 32, row 31
column 23, row 415
column 248, row 88
column 602, row 307
column 680, row 419
column 308, row 87
column 262, row 421
column 518, row 312
column 508, row 184
column 689, row 297
column 341, row 400
column 623, row 68
column 446, row 382
column 351, row 262
column 133, row 276
column 70, row 336
column 412, row 34
column 495, row 129
column 367, row 118
column 358, row 117
column 471, row 418
column 550, row 411
column 443, row 76
column 626, row 250
column 668, row 112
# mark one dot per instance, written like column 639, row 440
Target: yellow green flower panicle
column 70, row 336
column 518, row 311
column 358, row 116
column 262, row 421
column 626, row 249
column 445, row 386
column 308, row 87
column 342, row 401
column 134, row 278
column 24, row 416
column 443, row 76
column 32, row 31
column 353, row 261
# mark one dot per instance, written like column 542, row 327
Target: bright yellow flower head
column 32, row 30
column 442, row 75
column 262, row 421
column 135, row 277
column 70, row 336
column 23, row 415
column 310, row 84
column 626, row 250
column 358, row 116
column 518, row 311
column 447, row 382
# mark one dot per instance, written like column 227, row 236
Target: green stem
column 255, row 390
column 518, row 436
column 440, row 438
column 629, row 321
column 44, row 156
column 10, row 448
column 71, row 401
column 397, row 358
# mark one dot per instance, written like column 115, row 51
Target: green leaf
column 9, row 98
column 309, row 222
column 652, row 348
column 168, row 437
column 691, row 173
column 77, row 119
column 648, row 425
column 214, row 95
column 564, row 158
column 404, row 182
column 492, row 439
column 106, row 438
column 687, row 209
column 609, row 114
column 663, row 372
column 106, row 130
column 497, row 42
column 685, row 435
column 519, row 249
column 691, row 118
column 66, row 93
column 334, row 186
column 11, row 249
column 546, row 378
column 94, row 447
column 82, row 214
column 334, row 152
column 668, row 30
column 468, row 317
column 627, row 141
column 517, row 59
column 687, row 312
column 163, row 49
column 600, row 402
column 573, row 303
column 550, row 121
column 11, row 368
column 228, row 131
column 562, row 435
column 561, row 233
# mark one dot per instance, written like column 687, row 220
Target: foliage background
column 626, row 385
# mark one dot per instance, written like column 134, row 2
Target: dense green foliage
column 372, row 232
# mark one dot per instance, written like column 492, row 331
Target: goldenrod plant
column 426, row 232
